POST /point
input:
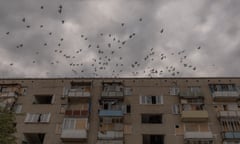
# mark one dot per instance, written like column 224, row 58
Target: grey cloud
column 213, row 25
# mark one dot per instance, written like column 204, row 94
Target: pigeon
column 23, row 20
column 161, row 31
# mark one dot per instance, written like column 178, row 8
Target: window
column 63, row 108
column 222, row 87
column 151, row 99
column 24, row 91
column 176, row 109
column 37, row 118
column 75, row 123
column 174, row 91
column 33, row 138
column 127, row 91
column 126, row 108
column 17, row 108
column 152, row 118
column 43, row 99
column 153, row 139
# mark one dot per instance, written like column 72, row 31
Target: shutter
column 65, row 92
column 53, row 99
column 45, row 117
column 142, row 99
column 124, row 109
column 32, row 118
column 27, row 119
column 175, row 109
column 35, row 118
column 159, row 99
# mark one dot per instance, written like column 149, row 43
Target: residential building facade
column 124, row 110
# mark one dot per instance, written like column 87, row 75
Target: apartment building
column 124, row 110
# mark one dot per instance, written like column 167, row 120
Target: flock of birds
column 110, row 56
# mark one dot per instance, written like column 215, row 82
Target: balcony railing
column 78, row 93
column 74, row 129
column 110, row 135
column 110, row 142
column 228, row 114
column 189, row 94
column 198, row 135
column 111, row 113
column 231, row 135
column 194, row 115
column 225, row 95
column 76, row 113
column 112, row 94
column 111, row 127
column 8, row 94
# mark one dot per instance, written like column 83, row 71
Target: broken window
column 152, row 118
column 33, row 138
column 43, row 99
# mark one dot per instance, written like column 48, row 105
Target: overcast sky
column 119, row 38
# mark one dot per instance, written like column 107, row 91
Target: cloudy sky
column 119, row 38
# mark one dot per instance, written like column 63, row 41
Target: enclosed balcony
column 110, row 127
column 194, row 115
column 112, row 90
column 111, row 135
column 110, row 113
column 74, row 129
column 8, row 95
column 80, row 92
column 231, row 135
column 228, row 114
column 225, row 96
column 109, row 142
column 191, row 94
column 198, row 137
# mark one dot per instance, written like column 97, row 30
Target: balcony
column 76, row 93
column 198, row 137
column 231, row 135
column 76, row 113
column 228, row 114
column 74, row 129
column 112, row 94
column 111, row 127
column 7, row 103
column 112, row 90
column 111, row 135
column 110, row 142
column 194, row 115
column 189, row 94
column 110, row 113
column 8, row 95
column 225, row 96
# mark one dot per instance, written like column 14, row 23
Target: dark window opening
column 152, row 118
column 128, row 108
column 153, row 139
column 43, row 99
column 153, row 100
column 33, row 138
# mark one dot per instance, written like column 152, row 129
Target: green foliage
column 7, row 128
